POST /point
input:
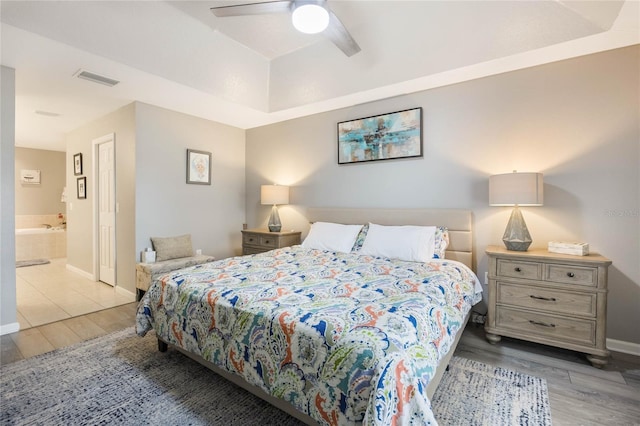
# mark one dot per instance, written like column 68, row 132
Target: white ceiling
column 255, row 70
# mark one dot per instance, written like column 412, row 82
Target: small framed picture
column 82, row 188
column 198, row 167
column 77, row 164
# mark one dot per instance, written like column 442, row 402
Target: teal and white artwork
column 381, row 137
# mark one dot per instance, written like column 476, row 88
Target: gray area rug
column 23, row 263
column 123, row 379
column 487, row 395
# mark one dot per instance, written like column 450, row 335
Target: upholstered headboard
column 458, row 222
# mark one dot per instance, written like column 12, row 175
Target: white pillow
column 331, row 236
column 412, row 243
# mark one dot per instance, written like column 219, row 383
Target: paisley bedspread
column 345, row 338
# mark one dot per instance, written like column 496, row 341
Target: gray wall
column 80, row 212
column 8, row 319
column 165, row 204
column 151, row 190
column 576, row 121
column 43, row 198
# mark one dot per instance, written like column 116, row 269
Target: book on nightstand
column 578, row 249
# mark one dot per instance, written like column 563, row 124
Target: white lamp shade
column 310, row 18
column 274, row 194
column 516, row 189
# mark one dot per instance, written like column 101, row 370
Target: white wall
column 165, row 204
column 8, row 318
column 576, row 121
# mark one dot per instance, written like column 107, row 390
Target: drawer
column 550, row 300
column 271, row 242
column 251, row 239
column 557, row 328
column 252, row 250
column 581, row 275
column 516, row 269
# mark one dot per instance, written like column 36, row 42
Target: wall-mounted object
column 198, row 167
column 381, row 137
column 274, row 195
column 516, row 189
column 77, row 164
column 30, row 177
column 82, row 188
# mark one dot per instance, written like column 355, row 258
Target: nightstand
column 261, row 240
column 550, row 298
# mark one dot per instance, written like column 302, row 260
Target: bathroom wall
column 43, row 198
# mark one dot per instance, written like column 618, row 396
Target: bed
column 330, row 337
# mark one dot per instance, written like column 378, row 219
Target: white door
column 107, row 212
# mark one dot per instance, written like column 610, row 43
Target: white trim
column 125, row 292
column 79, row 271
column 9, row 328
column 623, row 346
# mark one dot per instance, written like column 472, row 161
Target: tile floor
column 51, row 292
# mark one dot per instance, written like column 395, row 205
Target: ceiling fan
column 308, row 16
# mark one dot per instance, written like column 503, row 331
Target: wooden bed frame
column 460, row 248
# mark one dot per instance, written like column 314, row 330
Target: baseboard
column 126, row 292
column 78, row 271
column 9, row 328
column 624, row 347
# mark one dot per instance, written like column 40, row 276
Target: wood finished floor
column 45, row 338
column 578, row 393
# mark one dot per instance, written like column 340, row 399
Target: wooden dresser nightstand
column 550, row 298
column 261, row 240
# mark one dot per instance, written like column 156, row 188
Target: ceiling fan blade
column 252, row 8
column 338, row 34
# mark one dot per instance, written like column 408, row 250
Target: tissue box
column 578, row 249
column 147, row 256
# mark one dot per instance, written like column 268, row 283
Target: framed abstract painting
column 381, row 137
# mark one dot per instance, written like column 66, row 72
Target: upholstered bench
column 172, row 253
column 148, row 273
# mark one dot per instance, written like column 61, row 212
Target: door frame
column 95, row 146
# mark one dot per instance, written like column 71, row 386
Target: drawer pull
column 548, row 299
column 517, row 269
column 250, row 240
column 571, row 274
column 544, row 324
column 266, row 241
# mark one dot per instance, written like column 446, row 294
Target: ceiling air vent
column 96, row 78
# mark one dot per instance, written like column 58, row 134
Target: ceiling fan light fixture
column 310, row 18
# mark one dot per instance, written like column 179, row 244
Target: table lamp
column 274, row 195
column 516, row 189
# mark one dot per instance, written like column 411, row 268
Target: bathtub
column 40, row 243
column 29, row 231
